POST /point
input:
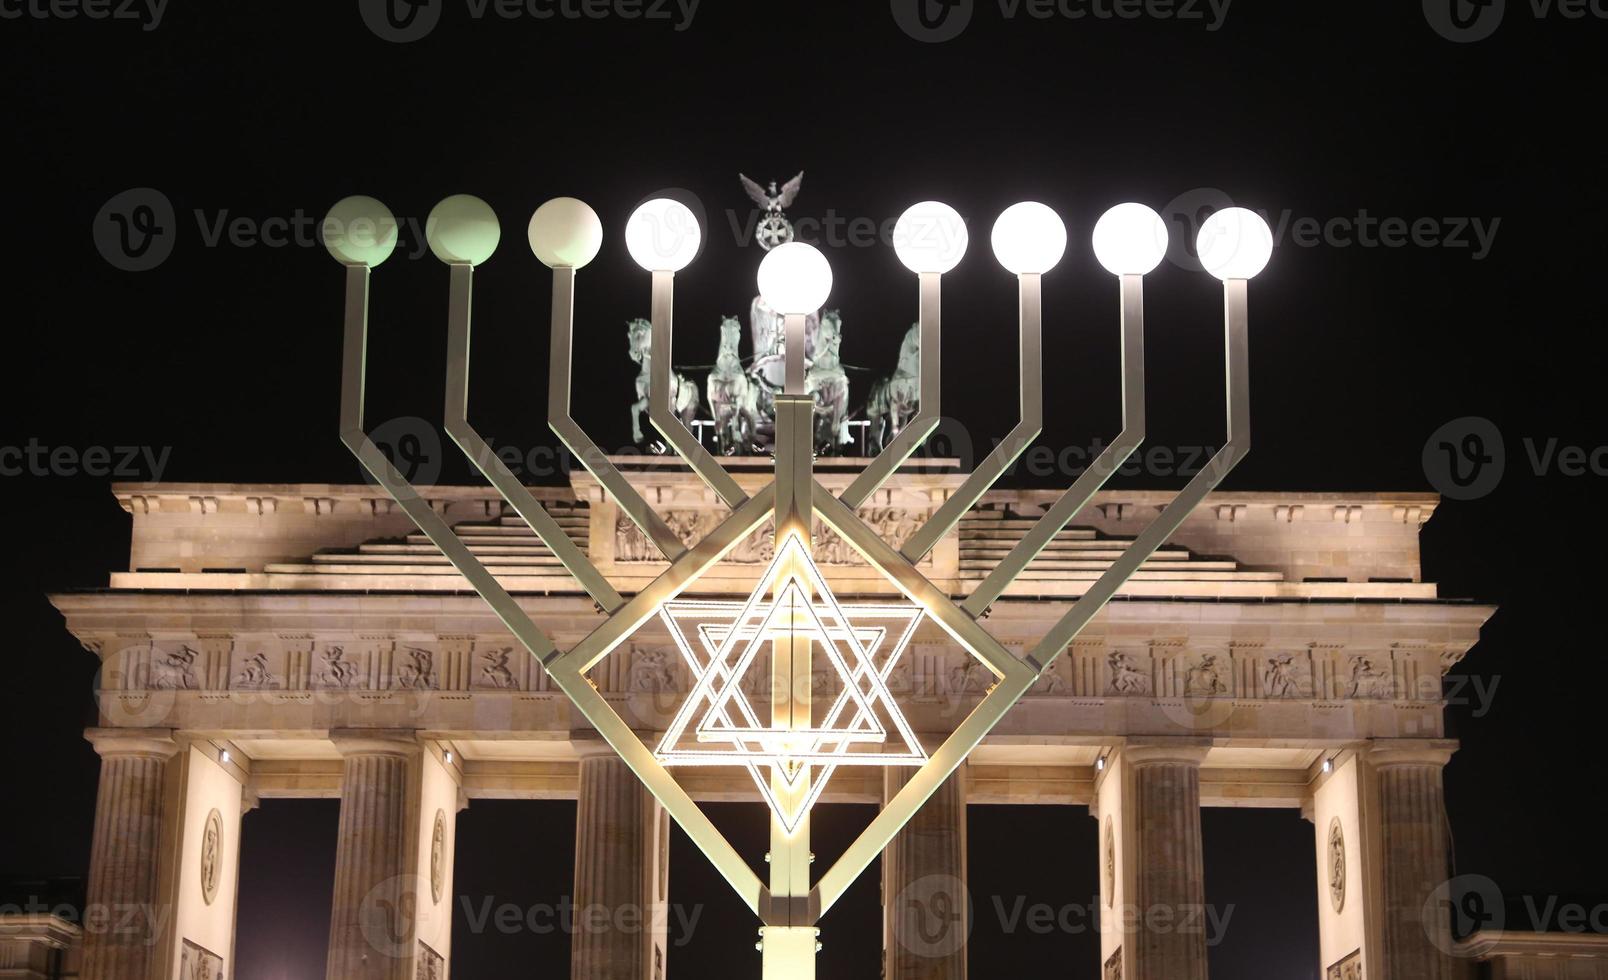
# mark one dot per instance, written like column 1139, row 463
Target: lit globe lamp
column 1028, row 238
column 462, row 230
column 359, row 232
column 565, row 233
column 1130, row 240
column 662, row 235
column 794, row 280
column 1234, row 244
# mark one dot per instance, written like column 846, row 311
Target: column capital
column 593, row 748
column 1181, row 750
column 147, row 743
column 1383, row 752
column 376, row 741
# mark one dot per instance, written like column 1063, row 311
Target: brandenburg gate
column 779, row 630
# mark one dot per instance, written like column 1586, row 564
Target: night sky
column 222, row 361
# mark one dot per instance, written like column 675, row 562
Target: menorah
column 792, row 611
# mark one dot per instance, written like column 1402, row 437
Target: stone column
column 1416, row 934
column 926, row 905
column 621, row 873
column 371, row 924
column 124, row 916
column 1169, row 882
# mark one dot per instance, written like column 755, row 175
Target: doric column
column 371, row 924
column 1416, row 932
column 621, row 873
column 124, row 918
column 1152, row 871
column 926, row 903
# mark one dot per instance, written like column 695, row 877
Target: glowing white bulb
column 565, row 233
column 663, row 235
column 930, row 237
column 1029, row 238
column 1130, row 240
column 1234, row 243
column 462, row 228
column 795, row 278
column 359, row 231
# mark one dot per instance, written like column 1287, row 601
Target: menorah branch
column 1030, row 374
column 575, row 438
column 1089, row 482
column 490, row 465
column 662, row 395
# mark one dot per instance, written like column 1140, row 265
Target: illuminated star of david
column 730, row 637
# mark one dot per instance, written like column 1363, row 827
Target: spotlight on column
column 662, row 235
column 462, row 230
column 565, row 233
column 1029, row 238
column 1099, row 764
column 930, row 237
column 448, row 756
column 1130, row 240
column 1328, row 765
column 1234, row 243
column 224, row 757
column 795, row 278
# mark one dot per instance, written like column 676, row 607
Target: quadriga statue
column 685, row 403
column 894, row 400
column 733, row 395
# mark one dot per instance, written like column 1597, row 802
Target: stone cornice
column 1487, row 945
column 1383, row 753
column 152, row 743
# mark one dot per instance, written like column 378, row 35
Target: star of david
column 723, row 643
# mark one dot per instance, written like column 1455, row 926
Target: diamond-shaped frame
column 568, row 669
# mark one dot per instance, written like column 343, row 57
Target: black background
column 228, row 356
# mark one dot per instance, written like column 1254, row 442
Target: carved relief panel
column 198, row 963
column 1349, row 968
column 895, row 525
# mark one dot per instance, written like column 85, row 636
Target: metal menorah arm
column 1238, row 396
column 490, row 465
column 661, row 400
column 919, row 428
column 353, row 365
column 1099, row 472
column 1030, row 291
column 569, row 677
column 1014, row 675
column 575, row 438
